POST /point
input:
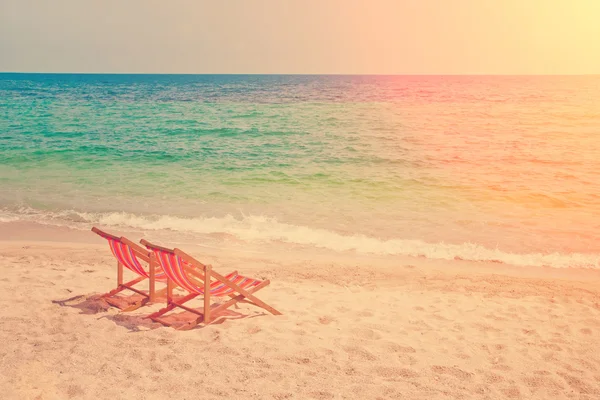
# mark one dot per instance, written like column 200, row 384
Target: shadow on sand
column 95, row 304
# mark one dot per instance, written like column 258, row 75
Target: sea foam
column 254, row 228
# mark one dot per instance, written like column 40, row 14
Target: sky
column 301, row 36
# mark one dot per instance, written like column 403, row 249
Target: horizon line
column 292, row 74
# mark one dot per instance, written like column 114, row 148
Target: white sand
column 364, row 329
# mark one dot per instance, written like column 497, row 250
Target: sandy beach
column 360, row 327
column 393, row 200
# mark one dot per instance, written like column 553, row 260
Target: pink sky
column 302, row 36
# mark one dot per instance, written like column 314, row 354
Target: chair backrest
column 128, row 254
column 189, row 273
column 176, row 268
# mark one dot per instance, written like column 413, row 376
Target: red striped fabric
column 126, row 256
column 174, row 268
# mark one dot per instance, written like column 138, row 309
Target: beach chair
column 199, row 279
column 131, row 256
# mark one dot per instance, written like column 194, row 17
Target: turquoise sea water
column 481, row 168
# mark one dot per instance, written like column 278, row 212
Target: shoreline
column 229, row 247
column 218, row 243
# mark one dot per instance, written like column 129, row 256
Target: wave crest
column 260, row 228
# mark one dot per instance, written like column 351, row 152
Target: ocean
column 481, row 168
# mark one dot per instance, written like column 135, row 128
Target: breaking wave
column 260, row 228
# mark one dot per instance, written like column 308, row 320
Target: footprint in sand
column 396, row 348
column 512, row 392
column 551, row 346
column 486, row 328
column 495, row 317
column 587, row 365
column 282, row 396
column 395, row 373
column 253, row 329
column 492, row 378
column 365, row 313
column 502, row 367
column 75, row 391
column 365, row 333
column 322, row 395
column 577, row 384
column 454, row 371
column 326, row 319
column 541, row 381
column 356, row 352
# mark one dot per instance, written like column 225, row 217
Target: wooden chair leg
column 207, row 295
column 152, row 288
column 169, row 291
column 119, row 274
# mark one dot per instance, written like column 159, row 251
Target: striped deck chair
column 128, row 255
column 201, row 280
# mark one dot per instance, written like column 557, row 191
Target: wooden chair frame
column 143, row 255
column 202, row 275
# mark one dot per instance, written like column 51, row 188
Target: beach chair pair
column 177, row 269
